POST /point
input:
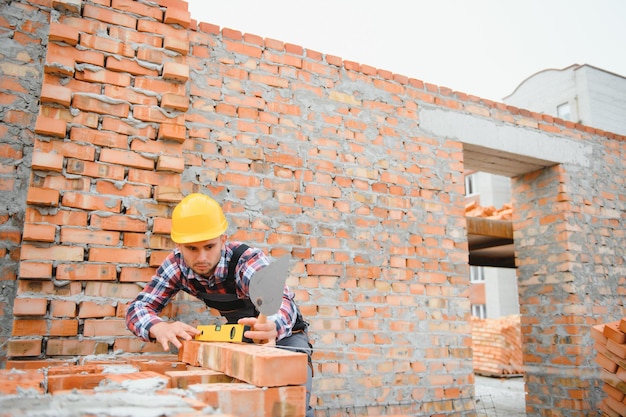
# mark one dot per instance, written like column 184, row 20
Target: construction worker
column 217, row 271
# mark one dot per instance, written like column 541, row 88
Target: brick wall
column 24, row 30
column 122, row 107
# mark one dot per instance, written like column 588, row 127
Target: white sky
column 481, row 47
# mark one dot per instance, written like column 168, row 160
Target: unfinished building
column 113, row 110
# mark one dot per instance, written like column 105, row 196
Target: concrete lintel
column 486, row 133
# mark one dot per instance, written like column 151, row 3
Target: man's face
column 203, row 257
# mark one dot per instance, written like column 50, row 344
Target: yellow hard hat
column 197, row 218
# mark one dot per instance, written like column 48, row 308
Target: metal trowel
column 266, row 288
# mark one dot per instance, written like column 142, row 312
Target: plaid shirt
column 174, row 275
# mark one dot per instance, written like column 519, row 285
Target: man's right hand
column 166, row 333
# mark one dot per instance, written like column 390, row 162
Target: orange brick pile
column 610, row 344
column 217, row 379
column 473, row 209
column 497, row 346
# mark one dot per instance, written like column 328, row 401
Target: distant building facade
column 578, row 93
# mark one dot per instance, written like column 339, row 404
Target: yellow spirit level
column 223, row 333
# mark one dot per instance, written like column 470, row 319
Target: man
column 208, row 266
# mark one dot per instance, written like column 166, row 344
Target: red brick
column 71, row 347
column 47, row 161
column 100, row 138
column 12, row 382
column 618, row 349
column 104, row 77
column 160, row 86
column 612, row 332
column 111, row 290
column 177, row 133
column 617, row 406
column 56, row 94
column 69, row 149
column 95, row 169
column 109, row 327
column 69, row 54
column 132, row 274
column 165, row 194
column 156, row 115
column 135, row 240
column 158, row 366
column 130, row 95
column 156, row 56
column 63, row 382
column 119, row 222
column 606, row 363
column 129, row 66
column 157, row 257
column 174, row 102
column 67, row 369
column 30, row 307
column 50, row 127
column 103, row 44
column 119, row 126
column 38, row 364
column 153, row 39
column 175, row 71
column 91, row 202
column 61, row 217
column 183, row 378
column 136, row 345
column 42, row 197
column 63, row 327
column 67, row 6
column 250, row 401
column 161, row 226
column 86, row 272
column 48, row 288
column 25, row 347
column 52, row 253
column 117, row 255
column 258, row 365
column 177, row 16
column 74, row 235
column 62, row 308
column 126, row 190
column 109, row 15
column 91, row 309
column 59, row 64
column 176, row 44
column 118, row 379
column 39, row 232
column 35, row 270
column 163, row 179
column 622, row 325
column 92, row 104
column 613, row 392
column 138, row 8
column 127, row 158
column 61, row 32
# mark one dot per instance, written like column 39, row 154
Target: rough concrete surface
column 500, row 396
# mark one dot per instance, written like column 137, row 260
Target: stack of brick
column 497, row 346
column 222, row 379
column 610, row 344
column 474, row 209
